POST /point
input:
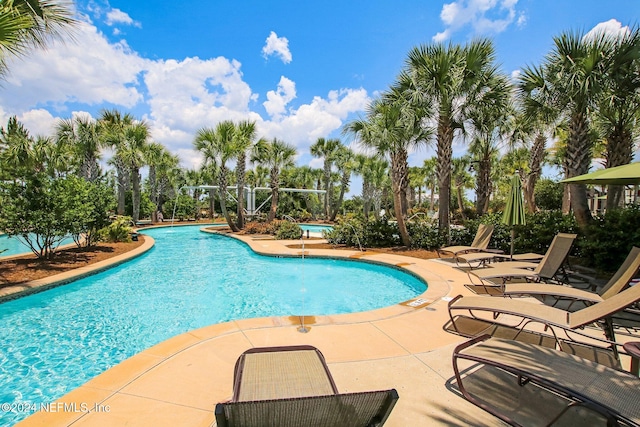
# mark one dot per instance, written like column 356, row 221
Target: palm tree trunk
column 240, row 174
column 619, row 152
column 444, row 153
column 535, row 166
column 135, row 196
column 484, row 184
column 399, row 175
column 577, row 161
column 212, row 203
column 223, row 195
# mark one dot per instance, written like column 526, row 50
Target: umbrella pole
column 513, row 236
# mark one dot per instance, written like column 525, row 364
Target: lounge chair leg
column 523, row 381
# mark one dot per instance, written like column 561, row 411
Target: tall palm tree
column 570, row 81
column 160, row 162
column 29, row 24
column 416, row 181
column 326, row 148
column 245, row 136
column 488, row 118
column 112, row 125
column 16, row 150
column 82, row 134
column 393, row 127
column 345, row 163
column 275, row 155
column 218, row 146
column 132, row 153
column 449, row 78
column 429, row 166
column 617, row 111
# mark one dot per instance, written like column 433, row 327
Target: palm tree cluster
column 588, row 86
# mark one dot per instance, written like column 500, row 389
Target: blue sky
column 299, row 69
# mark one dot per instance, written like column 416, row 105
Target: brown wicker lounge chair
column 552, row 317
column 480, row 242
column 292, row 386
column 573, row 381
column 551, row 268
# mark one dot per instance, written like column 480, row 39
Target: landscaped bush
column 287, row 230
column 118, row 231
column 611, row 237
column 355, row 231
column 425, row 235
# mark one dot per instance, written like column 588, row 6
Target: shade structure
column 620, row 175
column 514, row 211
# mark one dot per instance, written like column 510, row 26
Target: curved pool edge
column 40, row 285
column 350, row 337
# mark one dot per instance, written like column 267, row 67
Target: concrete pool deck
column 179, row 381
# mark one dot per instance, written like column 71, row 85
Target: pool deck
column 179, row 381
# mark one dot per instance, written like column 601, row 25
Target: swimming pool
column 55, row 341
column 14, row 246
column 315, row 228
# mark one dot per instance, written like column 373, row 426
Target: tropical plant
column 274, row 155
column 345, row 163
column 81, row 133
column 326, row 148
column 218, row 147
column 245, row 136
column 448, row 78
column 29, row 24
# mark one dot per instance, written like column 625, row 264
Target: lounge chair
column 582, row 383
column 627, row 271
column 551, row 268
column 480, row 242
column 292, row 386
column 553, row 318
column 473, row 260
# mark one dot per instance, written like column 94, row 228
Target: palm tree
column 132, row 151
column 617, row 110
column 305, row 178
column 112, row 125
column 218, row 147
column 462, row 180
column 82, row 134
column 488, row 118
column 449, row 78
column 345, row 163
column 275, row 155
column 429, row 166
column 245, row 136
column 570, row 81
column 393, row 126
column 16, row 150
column 326, row 148
column 29, row 24
column 160, row 162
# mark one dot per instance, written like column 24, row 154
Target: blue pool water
column 315, row 228
column 54, row 341
column 14, row 246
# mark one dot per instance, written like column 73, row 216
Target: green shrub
column 118, row 231
column 354, row 231
column 425, row 235
column 610, row 238
column 287, row 230
column 548, row 194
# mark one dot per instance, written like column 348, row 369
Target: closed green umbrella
column 514, row 211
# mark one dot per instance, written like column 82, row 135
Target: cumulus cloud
column 277, row 100
column 116, row 16
column 611, row 28
column 89, row 71
column 484, row 17
column 278, row 46
column 176, row 97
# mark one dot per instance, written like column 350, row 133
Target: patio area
column 404, row 346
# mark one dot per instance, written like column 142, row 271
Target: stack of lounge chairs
column 566, row 360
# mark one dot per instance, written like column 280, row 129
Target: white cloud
column 612, row 28
column 277, row 100
column 176, row 97
column 90, row 71
column 484, row 16
column 116, row 16
column 278, row 46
